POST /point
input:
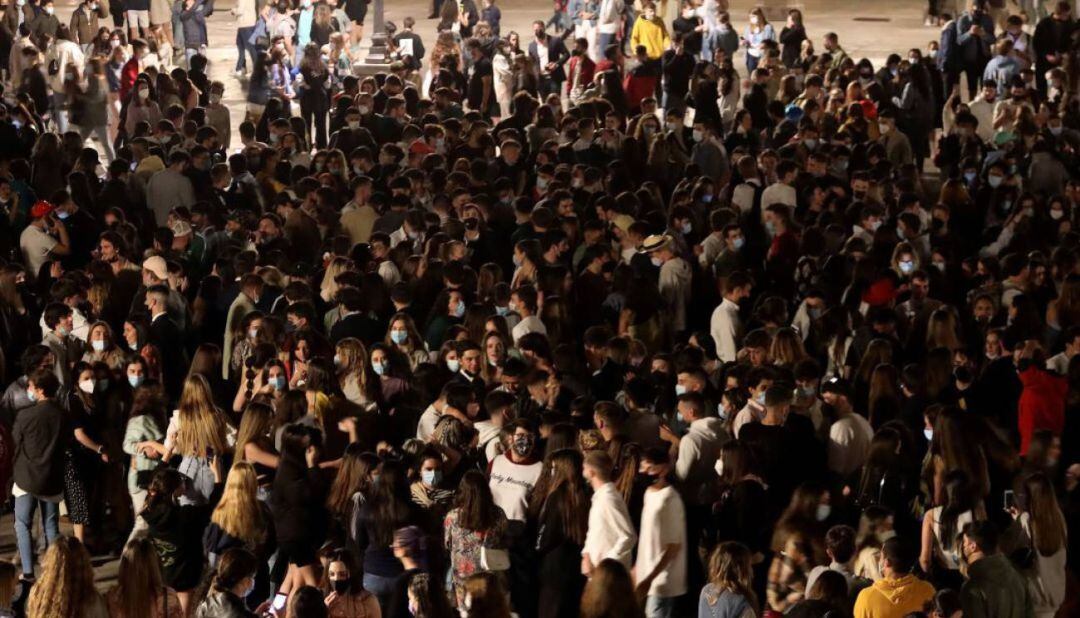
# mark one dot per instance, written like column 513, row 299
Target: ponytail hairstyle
column 235, row 565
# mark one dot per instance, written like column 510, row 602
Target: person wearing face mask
column 40, row 434
column 233, row 579
column 64, row 346
column 993, row 586
column 674, row 279
column 429, row 492
column 898, row 148
column 515, row 472
column 84, row 22
column 347, row 597
column 661, row 561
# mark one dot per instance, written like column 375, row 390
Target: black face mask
column 341, row 586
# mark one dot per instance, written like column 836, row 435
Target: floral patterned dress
column 463, row 547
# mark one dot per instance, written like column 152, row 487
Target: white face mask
column 144, row 93
column 50, row 10
column 98, row 345
column 215, row 99
column 86, row 386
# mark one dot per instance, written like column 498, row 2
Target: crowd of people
column 588, row 321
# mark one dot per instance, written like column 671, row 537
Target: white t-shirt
column 531, row 324
column 849, row 443
column 36, row 245
column 663, row 522
column 426, row 426
column 510, row 485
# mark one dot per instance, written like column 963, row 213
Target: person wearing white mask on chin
column 66, row 348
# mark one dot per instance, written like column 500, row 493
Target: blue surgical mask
column 503, row 311
column 379, row 368
column 994, row 181
column 63, row 214
column 738, row 243
column 770, row 227
column 31, row 395
column 760, row 398
column 907, row 267
column 431, row 477
column 687, row 227
column 135, row 381
column 453, row 364
column 278, row 382
column 969, row 177
column 399, row 336
column 459, row 309
column 929, row 434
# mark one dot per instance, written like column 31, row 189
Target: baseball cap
column 156, row 264
column 41, row 209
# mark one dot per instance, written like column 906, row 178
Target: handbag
column 494, row 559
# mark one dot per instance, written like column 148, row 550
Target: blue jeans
column 603, row 39
column 24, row 520
column 660, row 607
column 751, row 63
column 242, row 47
column 382, row 587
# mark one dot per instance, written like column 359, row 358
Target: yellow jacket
column 650, row 33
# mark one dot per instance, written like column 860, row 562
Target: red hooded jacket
column 1042, row 404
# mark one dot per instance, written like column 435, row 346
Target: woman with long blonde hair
column 329, row 287
column 240, row 519
column 140, row 589
column 358, row 382
column 197, row 431
column 66, row 586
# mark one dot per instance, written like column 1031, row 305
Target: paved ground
column 871, row 29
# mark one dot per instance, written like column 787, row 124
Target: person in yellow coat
column 649, row 31
column 899, row 592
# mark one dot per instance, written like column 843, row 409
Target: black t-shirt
column 677, row 69
column 480, row 69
